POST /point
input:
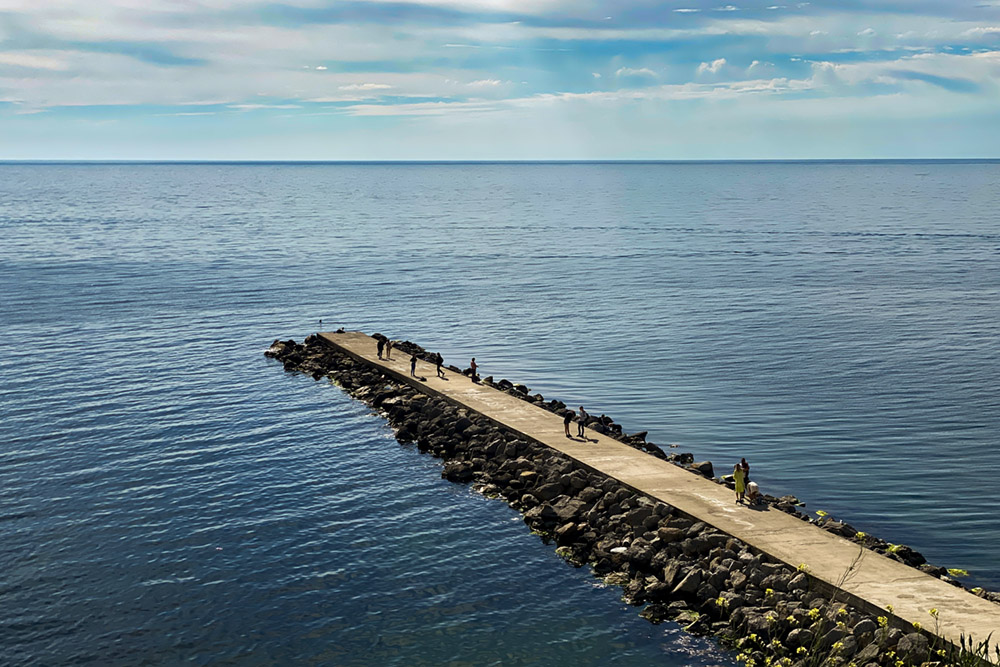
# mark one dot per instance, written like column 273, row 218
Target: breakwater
column 664, row 555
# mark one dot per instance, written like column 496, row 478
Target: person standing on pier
column 739, row 480
column 582, row 423
column 473, row 366
column 438, row 360
column 413, row 365
column 381, row 346
column 746, row 469
column 388, row 349
column 566, row 420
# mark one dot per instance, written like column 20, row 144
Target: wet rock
column 541, row 516
column 460, row 472
column 703, row 468
column 672, row 573
column 656, row 613
column 933, row 570
column 640, row 554
column 905, row 554
column 566, row 534
column 689, row 584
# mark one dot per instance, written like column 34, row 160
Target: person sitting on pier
column 753, row 493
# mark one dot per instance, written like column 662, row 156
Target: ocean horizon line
column 70, row 162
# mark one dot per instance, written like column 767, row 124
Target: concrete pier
column 867, row 580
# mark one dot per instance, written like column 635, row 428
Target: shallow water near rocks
column 169, row 495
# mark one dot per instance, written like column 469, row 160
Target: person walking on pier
column 413, row 365
column 566, row 420
column 582, row 423
column 438, row 360
column 381, row 346
column 739, row 480
column 473, row 366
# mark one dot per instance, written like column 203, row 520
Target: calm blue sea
column 168, row 495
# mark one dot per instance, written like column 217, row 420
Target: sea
column 169, row 496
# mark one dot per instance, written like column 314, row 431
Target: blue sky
column 498, row 79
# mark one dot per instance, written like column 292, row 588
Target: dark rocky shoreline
column 675, row 567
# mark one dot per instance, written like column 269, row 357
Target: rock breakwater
column 675, row 567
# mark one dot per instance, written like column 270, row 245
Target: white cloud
column 687, row 10
column 420, row 109
column 712, row 67
column 365, row 86
column 596, row 75
column 979, row 31
column 867, row 32
column 321, row 68
column 32, row 61
column 256, row 107
column 631, row 71
column 484, row 83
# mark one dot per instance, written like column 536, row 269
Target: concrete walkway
column 874, row 582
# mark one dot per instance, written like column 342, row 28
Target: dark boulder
column 800, row 637
column 548, row 491
column 688, row 586
column 458, row 471
column 703, row 468
column 913, row 647
column 568, row 509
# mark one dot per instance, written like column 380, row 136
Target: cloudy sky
column 498, row 79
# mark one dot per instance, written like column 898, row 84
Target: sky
column 498, row 79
